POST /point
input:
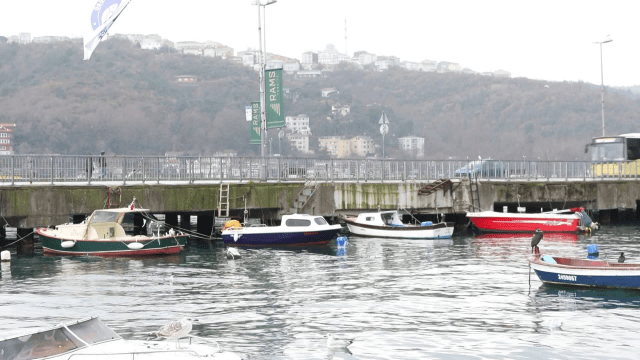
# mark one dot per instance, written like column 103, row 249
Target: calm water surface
column 469, row 297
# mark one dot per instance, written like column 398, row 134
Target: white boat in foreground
column 388, row 224
column 91, row 339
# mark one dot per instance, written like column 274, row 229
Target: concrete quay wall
column 44, row 205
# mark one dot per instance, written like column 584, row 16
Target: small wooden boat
column 387, row 224
column 585, row 272
column 570, row 220
column 294, row 230
column 91, row 339
column 128, row 231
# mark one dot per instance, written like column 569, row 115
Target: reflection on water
column 396, row 299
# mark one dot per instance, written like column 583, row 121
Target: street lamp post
column 602, row 78
column 280, row 136
column 262, row 62
column 384, row 129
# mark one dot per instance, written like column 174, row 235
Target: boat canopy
column 302, row 220
column 56, row 341
column 382, row 218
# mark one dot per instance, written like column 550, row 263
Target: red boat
column 571, row 220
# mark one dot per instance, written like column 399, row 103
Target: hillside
column 126, row 101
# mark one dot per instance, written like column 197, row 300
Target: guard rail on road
column 30, row 169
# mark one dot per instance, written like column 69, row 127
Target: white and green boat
column 128, row 231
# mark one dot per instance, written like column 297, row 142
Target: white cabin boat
column 388, row 224
column 91, row 339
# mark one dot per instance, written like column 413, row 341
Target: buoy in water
column 135, row 246
column 233, row 253
column 341, row 241
column 5, row 256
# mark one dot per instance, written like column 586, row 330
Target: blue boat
column 585, row 272
column 294, row 230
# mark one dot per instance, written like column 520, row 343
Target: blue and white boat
column 294, row 230
column 585, row 272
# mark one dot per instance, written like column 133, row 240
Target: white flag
column 103, row 15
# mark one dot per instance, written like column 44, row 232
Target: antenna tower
column 345, row 37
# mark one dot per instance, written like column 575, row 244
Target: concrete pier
column 46, row 205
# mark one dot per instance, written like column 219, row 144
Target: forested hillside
column 127, row 101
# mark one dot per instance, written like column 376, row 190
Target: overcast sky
column 544, row 39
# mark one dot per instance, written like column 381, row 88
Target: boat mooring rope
column 22, row 238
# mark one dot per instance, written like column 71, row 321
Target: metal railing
column 29, row 169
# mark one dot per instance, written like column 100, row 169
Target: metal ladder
column 223, row 204
column 475, row 197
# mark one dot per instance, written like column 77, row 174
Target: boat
column 128, row 231
column 387, row 224
column 570, row 220
column 585, row 272
column 294, row 230
column 90, row 338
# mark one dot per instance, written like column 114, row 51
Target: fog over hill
column 127, row 101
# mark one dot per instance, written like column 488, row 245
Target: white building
column 502, row 73
column 413, row 145
column 298, row 124
column 326, row 92
column 364, row 58
column 248, row 58
column 414, row 66
column 429, row 65
column 309, row 73
column 446, row 66
column 362, row 145
column 331, row 56
column 291, row 67
column 49, row 39
column 151, row 42
column 385, row 62
column 274, row 64
column 309, row 58
column 299, row 142
column 343, row 110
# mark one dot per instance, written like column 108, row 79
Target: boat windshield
column 298, row 222
column 320, row 221
column 104, row 216
column 55, row 341
column 387, row 218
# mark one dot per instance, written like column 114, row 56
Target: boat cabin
column 382, row 218
column 109, row 224
column 56, row 341
column 302, row 220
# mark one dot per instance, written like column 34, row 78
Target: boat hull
column 598, row 274
column 437, row 231
column 157, row 246
column 266, row 239
column 525, row 223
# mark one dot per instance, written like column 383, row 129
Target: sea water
column 468, row 297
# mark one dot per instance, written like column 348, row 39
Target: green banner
column 254, row 138
column 274, row 98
